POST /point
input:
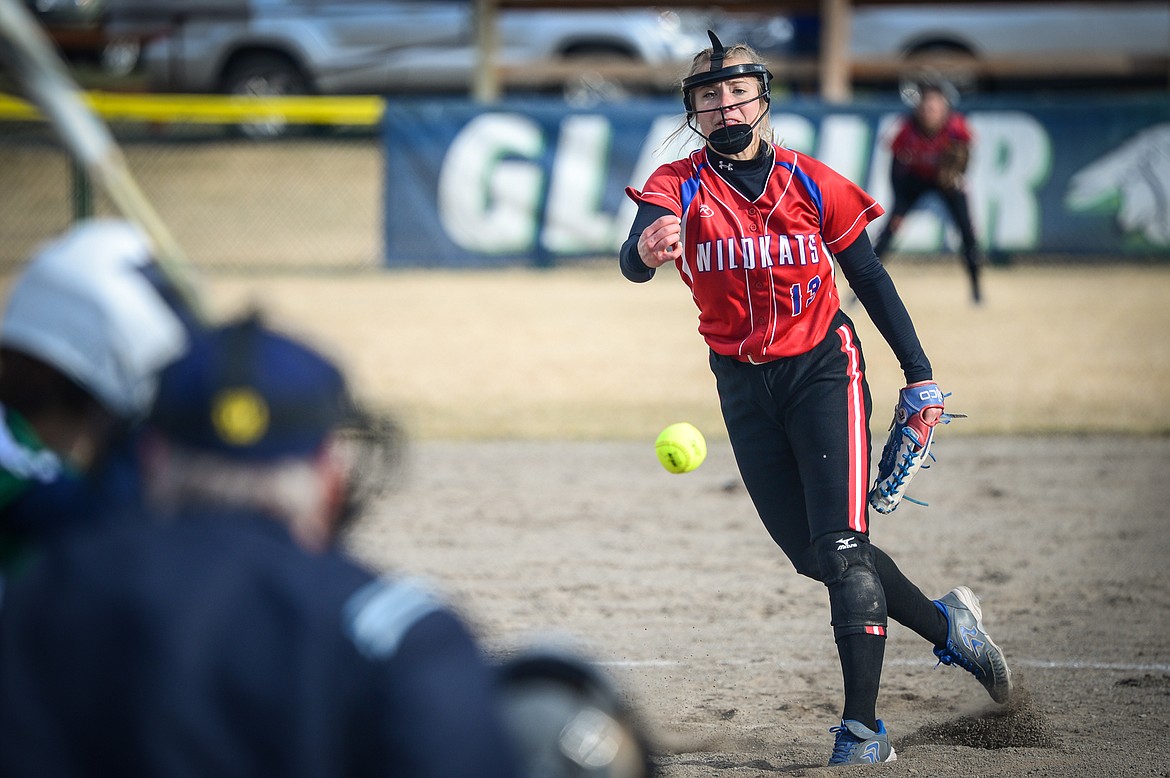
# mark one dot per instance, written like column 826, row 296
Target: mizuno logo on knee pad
column 844, row 543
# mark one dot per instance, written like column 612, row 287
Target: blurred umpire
column 230, row 636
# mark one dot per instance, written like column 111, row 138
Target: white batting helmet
column 87, row 306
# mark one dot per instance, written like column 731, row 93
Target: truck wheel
column 590, row 87
column 265, row 75
column 951, row 61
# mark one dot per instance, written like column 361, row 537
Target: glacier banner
column 527, row 182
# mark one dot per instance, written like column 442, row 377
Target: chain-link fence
column 308, row 202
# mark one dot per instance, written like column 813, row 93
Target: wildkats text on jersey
column 762, row 251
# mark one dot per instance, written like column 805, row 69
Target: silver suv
column 276, row 47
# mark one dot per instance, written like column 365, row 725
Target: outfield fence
column 308, row 199
column 357, row 183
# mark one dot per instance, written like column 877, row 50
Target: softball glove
column 908, row 444
column 953, row 166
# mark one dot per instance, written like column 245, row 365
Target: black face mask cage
column 373, row 446
column 734, row 139
column 717, row 72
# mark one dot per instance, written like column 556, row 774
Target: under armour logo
column 725, row 165
column 968, row 634
column 844, row 543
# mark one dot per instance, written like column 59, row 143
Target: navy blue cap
column 247, row 392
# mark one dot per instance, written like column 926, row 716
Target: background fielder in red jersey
column 930, row 149
column 756, row 232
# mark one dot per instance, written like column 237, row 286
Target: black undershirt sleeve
column 632, row 265
column 750, row 177
column 875, row 290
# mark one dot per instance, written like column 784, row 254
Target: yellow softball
column 681, row 447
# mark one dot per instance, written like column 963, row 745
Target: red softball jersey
column 922, row 153
column 761, row 271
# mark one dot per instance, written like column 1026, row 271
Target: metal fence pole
column 485, row 86
column 82, row 190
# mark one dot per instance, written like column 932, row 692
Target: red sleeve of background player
column 664, row 187
column 846, row 209
column 901, row 136
column 958, row 128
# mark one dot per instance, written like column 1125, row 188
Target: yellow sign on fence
column 218, row 109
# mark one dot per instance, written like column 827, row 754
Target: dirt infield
column 583, row 354
column 531, row 496
column 674, row 584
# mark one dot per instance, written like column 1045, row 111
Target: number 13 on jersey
column 802, row 298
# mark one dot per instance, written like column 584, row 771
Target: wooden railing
column 807, row 70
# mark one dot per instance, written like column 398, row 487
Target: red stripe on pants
column 858, row 434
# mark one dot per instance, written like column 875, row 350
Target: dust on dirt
column 1019, row 724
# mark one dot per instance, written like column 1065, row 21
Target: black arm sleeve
column 875, row 290
column 633, row 267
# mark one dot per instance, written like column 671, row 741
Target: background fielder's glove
column 908, row 444
column 952, row 166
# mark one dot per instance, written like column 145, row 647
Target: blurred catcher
column 88, row 324
column 930, row 149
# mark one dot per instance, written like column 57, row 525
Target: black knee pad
column 856, row 598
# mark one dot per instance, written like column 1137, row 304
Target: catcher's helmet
column 88, row 307
column 569, row 721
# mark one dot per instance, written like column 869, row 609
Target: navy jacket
column 214, row 645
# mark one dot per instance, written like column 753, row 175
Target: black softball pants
column 908, row 190
column 799, row 428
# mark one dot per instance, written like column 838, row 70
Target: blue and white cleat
column 858, row 744
column 969, row 646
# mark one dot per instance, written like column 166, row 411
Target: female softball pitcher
column 754, row 229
